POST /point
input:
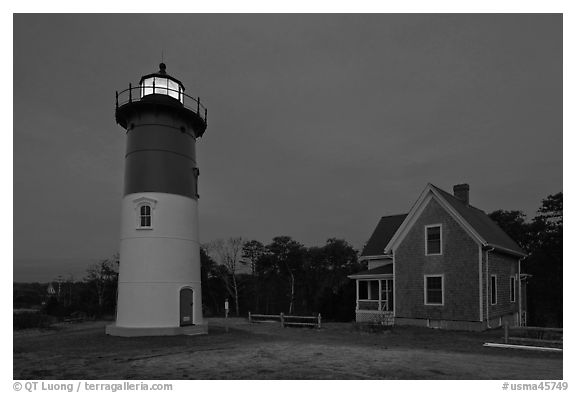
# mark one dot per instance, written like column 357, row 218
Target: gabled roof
column 386, row 228
column 484, row 225
column 473, row 220
column 386, row 269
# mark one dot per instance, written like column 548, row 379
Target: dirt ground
column 234, row 349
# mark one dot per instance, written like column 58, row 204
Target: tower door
column 186, row 305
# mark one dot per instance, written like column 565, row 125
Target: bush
column 31, row 320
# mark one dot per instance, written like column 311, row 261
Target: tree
column 210, row 281
column 288, row 255
column 286, row 276
column 207, row 265
column 227, row 254
column 252, row 252
column 547, row 226
column 103, row 278
column 268, row 294
column 552, row 210
column 68, row 290
column 545, row 263
column 542, row 240
column 514, row 224
column 328, row 288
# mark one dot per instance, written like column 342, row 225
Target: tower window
column 145, row 216
column 143, row 212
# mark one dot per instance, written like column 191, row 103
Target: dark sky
column 318, row 124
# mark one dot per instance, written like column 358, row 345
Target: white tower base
column 159, row 288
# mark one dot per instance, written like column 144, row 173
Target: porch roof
column 380, row 270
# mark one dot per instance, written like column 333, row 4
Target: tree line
column 541, row 238
column 92, row 296
column 283, row 276
column 286, row 276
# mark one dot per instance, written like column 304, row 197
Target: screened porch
column 375, row 294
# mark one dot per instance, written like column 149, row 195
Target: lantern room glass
column 158, row 85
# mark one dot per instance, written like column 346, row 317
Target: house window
column 493, row 292
column 434, row 290
column 145, row 216
column 433, row 239
column 512, row 289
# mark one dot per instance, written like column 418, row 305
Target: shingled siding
column 503, row 266
column 458, row 263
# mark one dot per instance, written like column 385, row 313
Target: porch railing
column 373, row 305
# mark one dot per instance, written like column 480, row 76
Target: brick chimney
column 462, row 192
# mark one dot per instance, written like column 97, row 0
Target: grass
column 235, row 349
column 31, row 320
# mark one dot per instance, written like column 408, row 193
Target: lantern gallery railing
column 136, row 93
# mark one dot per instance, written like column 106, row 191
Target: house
column 444, row 264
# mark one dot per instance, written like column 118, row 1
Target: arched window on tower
column 145, row 216
column 144, row 209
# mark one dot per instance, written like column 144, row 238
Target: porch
column 375, row 295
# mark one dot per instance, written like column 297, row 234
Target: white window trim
column 494, row 300
column 143, row 201
column 426, row 276
column 512, row 289
column 426, row 238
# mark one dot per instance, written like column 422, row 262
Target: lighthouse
column 159, row 286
